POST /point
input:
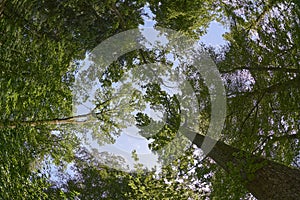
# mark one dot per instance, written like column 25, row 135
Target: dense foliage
column 42, row 43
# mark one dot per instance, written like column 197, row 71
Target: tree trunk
column 79, row 119
column 265, row 179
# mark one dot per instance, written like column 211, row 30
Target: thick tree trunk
column 265, row 179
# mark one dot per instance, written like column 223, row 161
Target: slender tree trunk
column 79, row 119
column 265, row 179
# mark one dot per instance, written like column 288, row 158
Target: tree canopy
column 44, row 48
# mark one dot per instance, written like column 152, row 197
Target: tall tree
column 38, row 41
column 262, row 72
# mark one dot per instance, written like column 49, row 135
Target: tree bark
column 265, row 179
column 79, row 119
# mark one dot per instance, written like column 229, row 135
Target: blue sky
column 214, row 35
column 129, row 141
